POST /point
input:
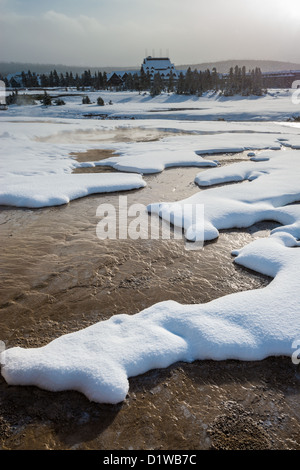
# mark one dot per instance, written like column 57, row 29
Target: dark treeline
column 192, row 82
column 240, row 82
column 195, row 82
column 53, row 79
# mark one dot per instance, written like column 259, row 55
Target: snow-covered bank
column 276, row 105
column 35, row 149
column 155, row 161
column 270, row 183
column 54, row 190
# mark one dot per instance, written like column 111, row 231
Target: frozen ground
column 36, row 162
column 36, row 171
column 276, row 105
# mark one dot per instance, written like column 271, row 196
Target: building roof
column 153, row 65
column 157, row 63
column 163, row 65
column 121, row 73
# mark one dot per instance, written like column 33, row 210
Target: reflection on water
column 118, row 134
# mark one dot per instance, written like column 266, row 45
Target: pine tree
column 71, row 80
column 62, row 80
column 206, row 80
column 104, row 80
column 244, row 81
column 180, row 84
column 257, row 82
column 171, row 83
column 215, row 79
column 195, row 84
column 143, row 79
column 87, row 78
column 136, row 82
column 29, row 79
column 51, row 79
column 129, row 82
column 200, row 83
column 24, row 79
column 229, row 89
column 157, row 85
column 148, row 80
column 77, row 81
column 55, row 79
column 237, row 79
column 47, row 101
column 187, row 81
column 100, row 80
column 42, row 81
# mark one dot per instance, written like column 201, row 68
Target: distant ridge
column 7, row 68
column 224, row 65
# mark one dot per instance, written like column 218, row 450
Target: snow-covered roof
column 16, row 76
column 163, row 65
column 120, row 73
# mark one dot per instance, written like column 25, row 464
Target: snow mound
column 265, row 186
column 157, row 161
column 53, row 190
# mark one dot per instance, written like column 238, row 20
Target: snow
column 271, row 183
column 36, row 170
column 161, row 65
column 276, row 105
column 54, row 190
column 188, row 150
column 150, row 161
column 34, row 151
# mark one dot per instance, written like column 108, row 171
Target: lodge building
column 161, row 65
column 151, row 66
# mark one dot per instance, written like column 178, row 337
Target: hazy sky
column 119, row 32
